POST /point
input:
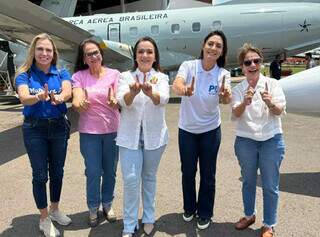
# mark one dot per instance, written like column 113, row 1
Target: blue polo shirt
column 35, row 79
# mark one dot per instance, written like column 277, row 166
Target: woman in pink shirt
column 94, row 89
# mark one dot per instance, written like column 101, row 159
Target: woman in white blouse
column 257, row 104
column 143, row 133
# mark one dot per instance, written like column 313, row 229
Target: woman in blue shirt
column 43, row 90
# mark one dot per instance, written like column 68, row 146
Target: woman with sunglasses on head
column 257, row 104
column 202, row 83
column 94, row 87
column 43, row 90
column 143, row 133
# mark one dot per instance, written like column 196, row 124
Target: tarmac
column 299, row 207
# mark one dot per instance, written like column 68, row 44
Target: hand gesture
column 146, row 87
column 249, row 95
column 111, row 99
column 84, row 103
column 55, row 99
column 190, row 88
column 135, row 87
column 224, row 91
column 266, row 97
column 44, row 94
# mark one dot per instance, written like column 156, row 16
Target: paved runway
column 299, row 211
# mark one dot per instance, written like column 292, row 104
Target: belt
column 49, row 120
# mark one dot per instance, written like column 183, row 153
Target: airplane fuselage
column 275, row 28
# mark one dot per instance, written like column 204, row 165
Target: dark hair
column 156, row 64
column 80, row 65
column 308, row 54
column 222, row 59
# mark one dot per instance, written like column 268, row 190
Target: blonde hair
column 30, row 56
column 246, row 48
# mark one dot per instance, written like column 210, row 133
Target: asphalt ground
column 299, row 207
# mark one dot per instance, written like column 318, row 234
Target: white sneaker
column 109, row 214
column 59, row 217
column 126, row 235
column 48, row 228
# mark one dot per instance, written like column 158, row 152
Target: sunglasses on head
column 93, row 54
column 256, row 61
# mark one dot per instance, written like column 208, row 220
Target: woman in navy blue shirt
column 43, row 90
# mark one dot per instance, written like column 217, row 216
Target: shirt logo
column 213, row 89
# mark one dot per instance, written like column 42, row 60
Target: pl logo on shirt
column 213, row 89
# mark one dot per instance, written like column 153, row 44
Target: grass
column 293, row 68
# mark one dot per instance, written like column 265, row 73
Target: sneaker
column 59, row 217
column 109, row 214
column 126, row 234
column 203, row 223
column 48, row 229
column 187, row 217
column 93, row 219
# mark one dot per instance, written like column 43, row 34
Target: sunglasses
column 256, row 61
column 95, row 53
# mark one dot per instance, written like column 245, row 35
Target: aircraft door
column 113, row 32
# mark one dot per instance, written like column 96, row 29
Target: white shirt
column 200, row 112
column 257, row 122
column 142, row 112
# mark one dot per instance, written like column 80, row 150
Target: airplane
column 276, row 28
column 302, row 92
column 13, row 54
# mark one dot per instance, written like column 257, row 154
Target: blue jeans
column 266, row 156
column 100, row 155
column 46, row 144
column 204, row 148
column 136, row 166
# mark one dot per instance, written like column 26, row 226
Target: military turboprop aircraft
column 276, row 28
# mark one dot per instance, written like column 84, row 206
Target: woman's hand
column 189, row 89
column 44, row 94
column 249, row 95
column 225, row 92
column 84, row 103
column 146, row 87
column 111, row 99
column 266, row 97
column 55, row 99
column 135, row 87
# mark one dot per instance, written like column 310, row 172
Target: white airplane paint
column 302, row 91
column 276, row 28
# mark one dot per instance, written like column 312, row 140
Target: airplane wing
column 21, row 20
